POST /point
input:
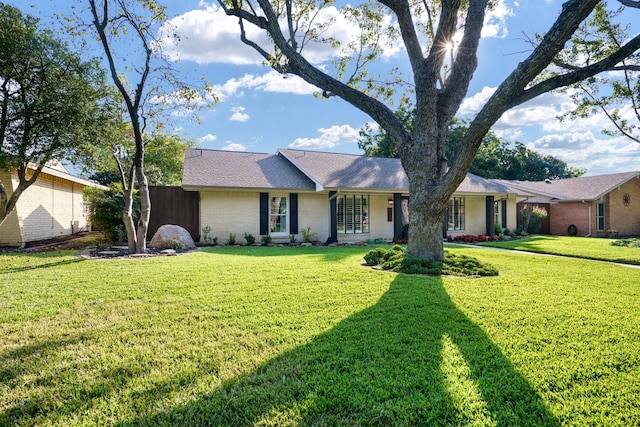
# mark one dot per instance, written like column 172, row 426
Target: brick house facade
column 52, row 207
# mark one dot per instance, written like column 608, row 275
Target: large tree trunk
column 427, row 204
column 425, row 230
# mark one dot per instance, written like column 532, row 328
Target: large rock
column 171, row 236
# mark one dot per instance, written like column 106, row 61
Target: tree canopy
column 163, row 158
column 50, row 101
column 496, row 158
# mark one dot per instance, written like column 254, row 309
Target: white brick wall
column 48, row 208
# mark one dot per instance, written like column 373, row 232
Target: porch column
column 397, row 216
column 491, row 226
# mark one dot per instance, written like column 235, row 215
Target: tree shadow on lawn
column 412, row 359
column 330, row 253
column 38, row 261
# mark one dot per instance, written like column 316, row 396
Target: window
column 600, row 216
column 455, row 214
column 352, row 214
column 278, row 215
column 497, row 213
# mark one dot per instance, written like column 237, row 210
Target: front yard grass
column 595, row 248
column 308, row 336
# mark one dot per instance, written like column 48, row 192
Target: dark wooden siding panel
column 173, row 205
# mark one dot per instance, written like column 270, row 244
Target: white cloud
column 239, row 115
column 234, row 147
column 473, row 104
column 495, row 22
column 584, row 149
column 269, row 82
column 208, row 35
column 208, row 138
column 328, row 138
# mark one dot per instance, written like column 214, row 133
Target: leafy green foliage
column 616, row 94
column 397, row 260
column 627, row 243
column 307, row 235
column 495, row 159
column 163, row 158
column 50, row 100
column 231, row 240
column 250, row 238
column 105, row 211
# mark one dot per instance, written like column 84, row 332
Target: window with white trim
column 352, row 214
column 278, row 215
column 455, row 214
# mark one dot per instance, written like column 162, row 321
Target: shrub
column 307, row 235
column 628, row 243
column 395, row 259
column 532, row 218
column 266, row 239
column 249, row 238
column 293, row 238
column 375, row 256
column 231, row 240
column 105, row 211
column 206, row 238
column 171, row 243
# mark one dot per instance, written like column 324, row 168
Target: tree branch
column 630, row 3
column 607, row 64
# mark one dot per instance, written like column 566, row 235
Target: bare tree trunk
column 145, row 210
column 127, row 218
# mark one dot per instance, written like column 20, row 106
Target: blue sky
column 261, row 111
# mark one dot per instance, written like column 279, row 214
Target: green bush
column 629, row 243
column 375, row 256
column 105, row 211
column 249, row 238
column 266, row 239
column 396, row 259
column 231, row 240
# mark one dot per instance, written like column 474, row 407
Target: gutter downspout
column 589, row 205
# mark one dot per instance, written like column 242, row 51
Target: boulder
column 171, row 236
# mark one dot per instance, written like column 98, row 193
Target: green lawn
column 308, row 336
column 581, row 247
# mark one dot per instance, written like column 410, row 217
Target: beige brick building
column 52, row 207
column 341, row 197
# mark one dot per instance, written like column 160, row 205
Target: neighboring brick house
column 53, row 206
column 602, row 205
column 342, row 197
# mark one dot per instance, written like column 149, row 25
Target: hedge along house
column 341, row 197
column 52, row 207
column 601, row 205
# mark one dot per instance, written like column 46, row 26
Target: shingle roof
column 582, row 188
column 235, row 169
column 300, row 169
column 361, row 172
column 349, row 170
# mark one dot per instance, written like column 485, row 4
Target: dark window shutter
column 264, row 214
column 504, row 213
column 293, row 213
